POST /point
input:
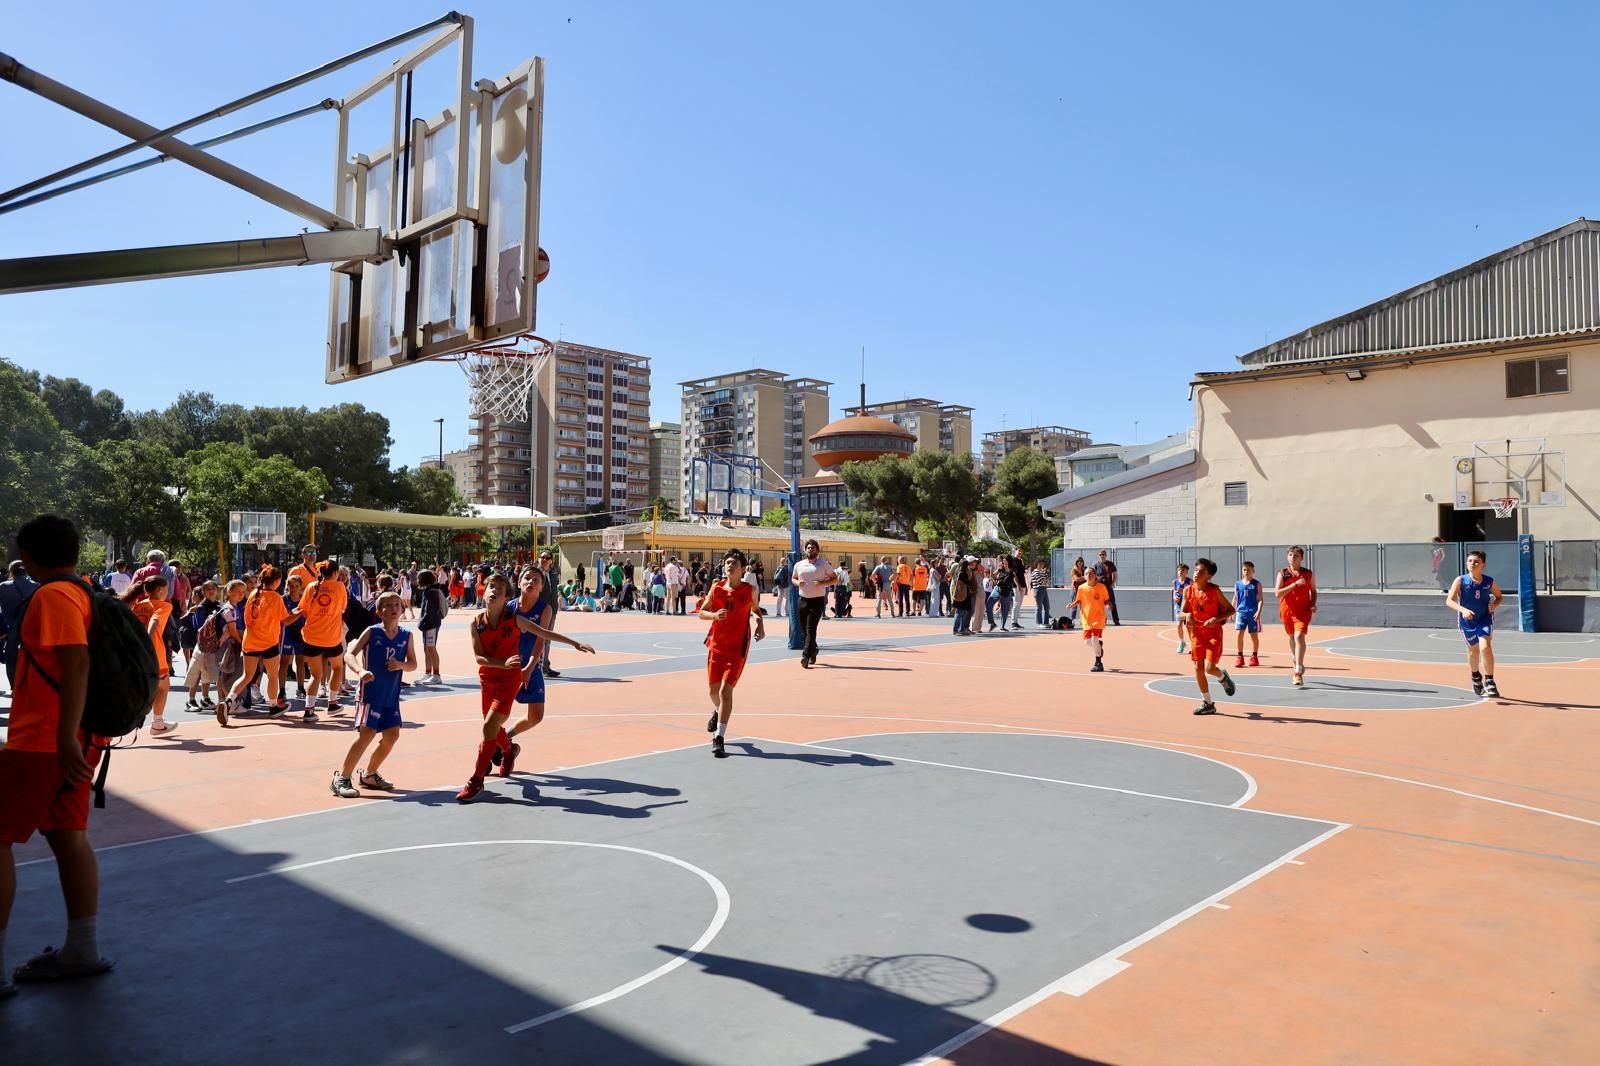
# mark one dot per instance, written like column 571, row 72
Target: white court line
column 1470, row 701
column 1250, row 782
column 1045, row 780
column 718, row 920
column 359, row 804
column 1110, row 964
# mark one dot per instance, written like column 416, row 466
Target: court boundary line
column 1250, row 782
column 718, row 920
column 1095, row 972
column 1047, row 780
column 1473, row 701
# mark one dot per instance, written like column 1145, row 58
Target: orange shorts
column 34, row 798
column 500, row 697
column 724, row 669
column 1296, row 623
column 1097, row 631
column 1206, row 644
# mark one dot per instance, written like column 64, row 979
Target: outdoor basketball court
column 966, row 848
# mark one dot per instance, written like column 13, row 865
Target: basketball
column 541, row 266
column 510, row 129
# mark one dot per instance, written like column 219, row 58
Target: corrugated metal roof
column 1545, row 287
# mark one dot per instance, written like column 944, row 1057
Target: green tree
column 1023, row 478
column 947, row 493
column 777, row 518
column 129, row 491
column 859, row 520
column 885, row 486
column 669, row 509
column 89, row 415
column 32, row 448
column 224, row 477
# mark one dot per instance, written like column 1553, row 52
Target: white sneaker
column 161, row 727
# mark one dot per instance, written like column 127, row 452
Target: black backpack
column 123, row 673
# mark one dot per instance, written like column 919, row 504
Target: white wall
column 1166, row 501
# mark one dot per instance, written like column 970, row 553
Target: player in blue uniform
column 1180, row 585
column 1475, row 597
column 390, row 652
column 1247, row 617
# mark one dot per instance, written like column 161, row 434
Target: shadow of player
column 1284, row 719
column 815, row 758
column 906, row 1028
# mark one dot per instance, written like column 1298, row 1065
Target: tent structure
column 484, row 516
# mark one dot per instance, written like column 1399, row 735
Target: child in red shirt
column 729, row 606
column 1205, row 608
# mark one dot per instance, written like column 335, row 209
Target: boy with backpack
column 51, row 749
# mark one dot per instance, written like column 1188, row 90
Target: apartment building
column 1052, row 440
column 666, row 460
column 938, row 427
column 463, row 467
column 753, row 412
column 587, row 448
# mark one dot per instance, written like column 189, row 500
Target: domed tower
column 860, row 438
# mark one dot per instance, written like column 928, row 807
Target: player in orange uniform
column 1205, row 608
column 148, row 598
column 1297, row 602
column 729, row 607
column 495, row 643
column 264, row 615
column 322, row 636
column 1091, row 598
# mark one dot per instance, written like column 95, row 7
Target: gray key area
column 1331, row 692
column 875, row 908
column 1447, row 646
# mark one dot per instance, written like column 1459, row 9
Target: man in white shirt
column 676, row 575
column 813, row 576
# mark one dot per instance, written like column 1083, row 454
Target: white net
column 1504, row 507
column 502, row 379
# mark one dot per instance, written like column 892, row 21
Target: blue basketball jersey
column 1475, row 597
column 1247, row 596
column 527, row 642
column 384, row 688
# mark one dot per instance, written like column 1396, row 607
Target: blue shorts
column 1477, row 629
column 533, row 692
column 1247, row 622
column 379, row 719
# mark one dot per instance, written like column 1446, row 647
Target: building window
column 1235, row 493
column 1536, row 377
column 1127, row 525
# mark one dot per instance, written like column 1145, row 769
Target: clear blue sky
column 1054, row 213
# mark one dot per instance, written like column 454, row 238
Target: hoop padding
column 502, row 379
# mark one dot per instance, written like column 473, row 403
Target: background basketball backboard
column 258, row 528
column 725, row 486
column 456, row 195
column 1520, row 469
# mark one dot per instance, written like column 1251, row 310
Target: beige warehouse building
column 1350, row 431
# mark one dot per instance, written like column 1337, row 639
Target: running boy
column 1091, row 600
column 1475, row 596
column 1180, row 585
column 1297, row 602
column 1205, row 608
column 1247, row 611
column 390, row 652
column 729, row 607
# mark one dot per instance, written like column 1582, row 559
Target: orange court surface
column 1448, row 913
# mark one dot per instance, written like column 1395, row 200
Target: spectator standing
column 1039, row 580
column 1019, row 576
column 551, row 598
column 48, row 760
column 119, row 578
column 780, row 586
column 14, row 592
column 1106, row 571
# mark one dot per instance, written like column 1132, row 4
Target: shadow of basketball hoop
column 935, row 980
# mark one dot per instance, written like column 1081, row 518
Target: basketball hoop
column 1504, row 506
column 258, row 537
column 502, row 377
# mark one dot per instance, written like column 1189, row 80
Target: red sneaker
column 1255, row 660
column 470, row 790
column 508, row 761
column 1238, row 661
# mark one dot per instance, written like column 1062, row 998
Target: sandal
column 48, row 965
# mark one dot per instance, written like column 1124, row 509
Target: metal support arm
column 182, row 260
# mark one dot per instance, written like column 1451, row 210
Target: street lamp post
column 438, row 541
